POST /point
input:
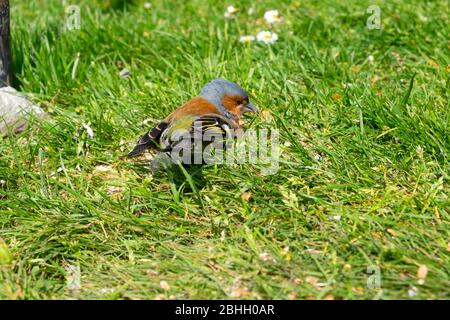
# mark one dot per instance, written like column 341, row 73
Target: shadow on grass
column 189, row 178
column 192, row 177
column 119, row 6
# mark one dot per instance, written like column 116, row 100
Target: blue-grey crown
column 215, row 90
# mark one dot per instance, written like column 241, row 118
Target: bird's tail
column 138, row 150
column 148, row 140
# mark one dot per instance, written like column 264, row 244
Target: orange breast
column 195, row 106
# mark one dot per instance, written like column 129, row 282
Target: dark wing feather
column 210, row 128
column 207, row 124
column 148, row 140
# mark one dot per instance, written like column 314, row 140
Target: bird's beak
column 249, row 108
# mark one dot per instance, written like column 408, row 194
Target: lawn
column 358, row 209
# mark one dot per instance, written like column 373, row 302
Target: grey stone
column 14, row 108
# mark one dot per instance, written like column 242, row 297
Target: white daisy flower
column 272, row 16
column 147, row 5
column 230, row 13
column 267, row 37
column 89, row 130
column 246, row 39
column 370, row 58
column 232, row 10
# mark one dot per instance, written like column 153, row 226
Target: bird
column 215, row 112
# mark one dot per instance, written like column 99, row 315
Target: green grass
column 373, row 154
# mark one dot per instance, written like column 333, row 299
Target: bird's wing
column 187, row 128
column 149, row 139
column 182, row 118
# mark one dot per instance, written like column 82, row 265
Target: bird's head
column 228, row 97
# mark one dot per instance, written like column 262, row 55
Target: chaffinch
column 218, row 108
